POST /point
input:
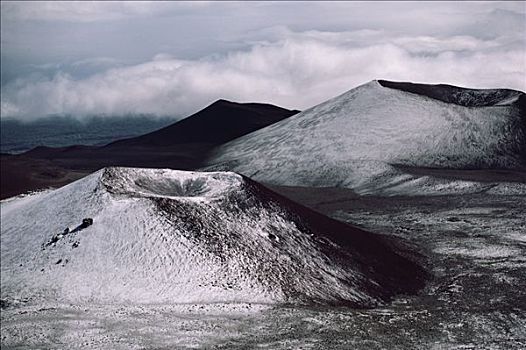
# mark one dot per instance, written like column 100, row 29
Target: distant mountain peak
column 219, row 122
column 222, row 101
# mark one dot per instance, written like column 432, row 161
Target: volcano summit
column 364, row 137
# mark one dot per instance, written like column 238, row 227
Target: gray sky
column 174, row 58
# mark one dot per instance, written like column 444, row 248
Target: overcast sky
column 174, row 58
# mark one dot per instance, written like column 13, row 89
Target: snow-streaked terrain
column 215, row 260
column 166, row 236
column 476, row 250
column 359, row 139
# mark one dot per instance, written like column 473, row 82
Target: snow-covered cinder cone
column 364, row 137
column 166, row 236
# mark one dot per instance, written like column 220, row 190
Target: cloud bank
column 290, row 68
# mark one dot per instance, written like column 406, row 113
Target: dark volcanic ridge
column 218, row 123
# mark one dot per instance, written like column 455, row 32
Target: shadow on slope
column 461, row 96
column 382, row 256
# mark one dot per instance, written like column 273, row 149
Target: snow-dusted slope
column 354, row 139
column 165, row 236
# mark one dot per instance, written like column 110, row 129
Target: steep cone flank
column 163, row 236
column 354, row 140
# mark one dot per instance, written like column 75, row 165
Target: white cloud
column 295, row 70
